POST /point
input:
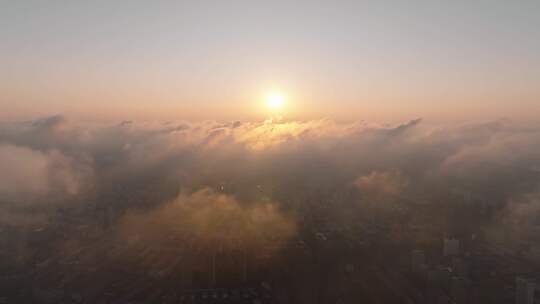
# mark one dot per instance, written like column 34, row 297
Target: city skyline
column 270, row 152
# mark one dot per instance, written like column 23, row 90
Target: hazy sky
column 215, row 60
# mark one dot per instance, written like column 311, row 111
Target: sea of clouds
column 184, row 174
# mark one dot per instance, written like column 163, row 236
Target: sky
column 199, row 60
column 150, row 117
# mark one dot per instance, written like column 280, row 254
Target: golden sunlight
column 275, row 100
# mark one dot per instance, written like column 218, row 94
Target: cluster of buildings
column 461, row 276
column 363, row 255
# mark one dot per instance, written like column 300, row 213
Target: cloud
column 381, row 184
column 207, row 218
column 523, row 212
column 27, row 174
column 145, row 166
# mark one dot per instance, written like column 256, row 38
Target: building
column 460, row 267
column 524, row 291
column 418, row 260
column 459, row 290
column 451, row 247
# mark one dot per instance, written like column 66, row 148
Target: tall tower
column 524, row 291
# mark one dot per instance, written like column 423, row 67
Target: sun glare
column 275, row 100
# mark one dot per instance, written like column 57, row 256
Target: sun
column 275, row 100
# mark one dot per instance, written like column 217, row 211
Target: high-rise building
column 524, row 291
column 460, row 267
column 451, row 247
column 418, row 259
column 459, row 290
